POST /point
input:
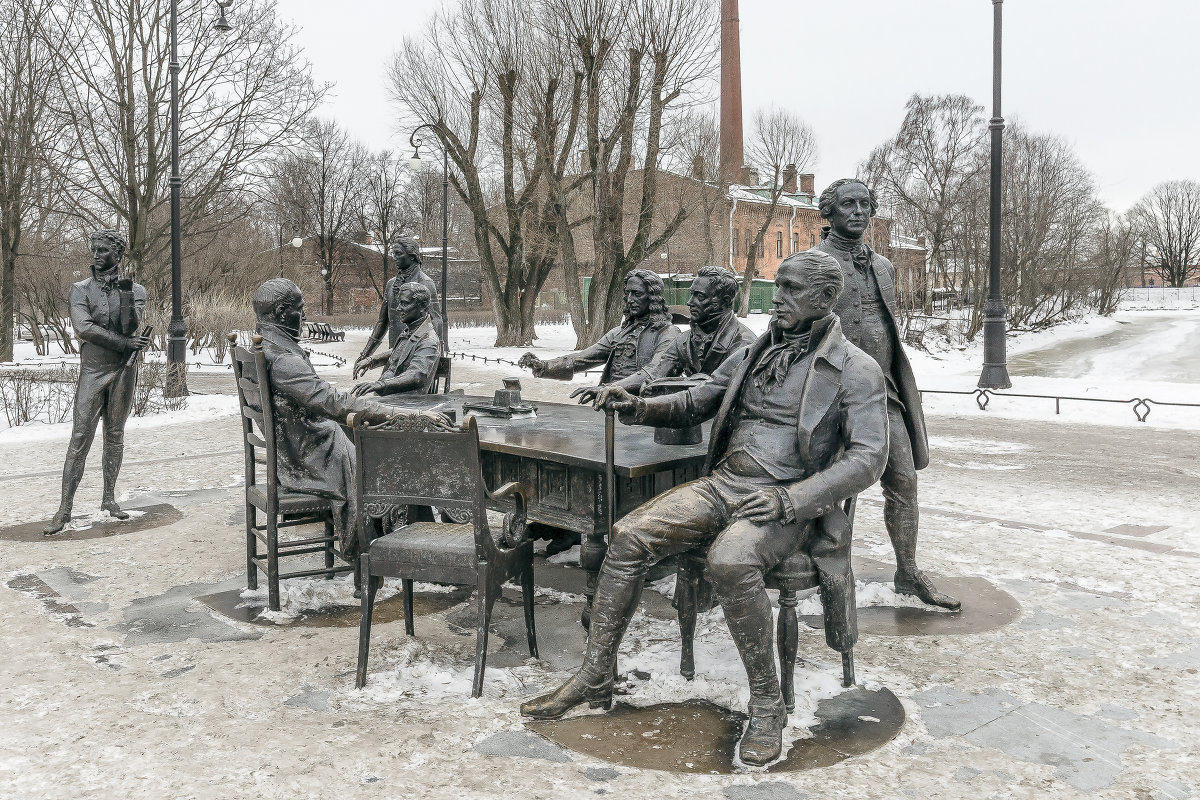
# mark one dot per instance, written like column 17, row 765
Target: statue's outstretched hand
column 586, row 394
column 440, row 421
column 363, row 388
column 531, row 362
column 760, row 507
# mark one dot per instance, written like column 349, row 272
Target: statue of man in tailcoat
column 106, row 313
column 314, row 454
column 407, row 258
column 799, row 426
column 866, row 309
column 645, row 332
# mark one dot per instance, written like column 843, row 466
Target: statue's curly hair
column 114, row 238
column 271, row 293
column 821, row 270
column 419, row 291
column 657, row 313
column 410, row 245
column 825, row 201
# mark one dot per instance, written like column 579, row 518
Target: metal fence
column 1141, row 406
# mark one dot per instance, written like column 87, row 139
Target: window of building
column 735, row 242
column 795, row 242
column 761, row 247
column 749, row 242
column 812, row 240
column 779, row 244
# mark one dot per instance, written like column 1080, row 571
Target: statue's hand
column 440, row 421
column 760, row 507
column 615, row 398
column 360, row 367
column 531, row 362
column 137, row 342
column 364, row 388
column 586, row 394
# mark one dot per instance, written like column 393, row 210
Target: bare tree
column 382, row 210
column 698, row 144
column 1168, row 220
column 26, row 130
column 929, row 174
column 1111, row 257
column 781, row 140
column 320, row 184
column 242, row 95
column 640, row 61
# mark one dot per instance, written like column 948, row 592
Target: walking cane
column 610, row 486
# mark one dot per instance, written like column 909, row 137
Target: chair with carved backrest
column 791, row 576
column 441, row 378
column 409, row 461
column 281, row 508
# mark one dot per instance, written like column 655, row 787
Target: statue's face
column 289, row 315
column 796, row 305
column 706, row 301
column 851, row 211
column 403, row 255
column 105, row 256
column 409, row 306
column 637, row 298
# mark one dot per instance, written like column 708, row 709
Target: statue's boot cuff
column 919, row 585
column 762, row 742
column 572, row 693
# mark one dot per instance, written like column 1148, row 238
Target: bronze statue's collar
column 844, row 243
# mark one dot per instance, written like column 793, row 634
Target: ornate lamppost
column 995, row 368
column 415, row 164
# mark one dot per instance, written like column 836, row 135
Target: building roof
column 762, row 194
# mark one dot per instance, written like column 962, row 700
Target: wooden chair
column 281, row 508
column 410, row 462
column 441, row 378
column 793, row 575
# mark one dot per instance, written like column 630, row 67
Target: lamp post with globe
column 415, row 163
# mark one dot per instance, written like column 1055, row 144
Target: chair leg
column 364, row 621
column 527, row 595
column 848, row 669
column 685, row 606
column 329, row 548
column 272, row 561
column 787, row 633
column 251, row 548
column 408, row 607
column 484, row 597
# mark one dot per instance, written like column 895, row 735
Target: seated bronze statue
column 411, row 365
column 715, row 335
column 314, row 454
column 106, row 312
column 645, row 332
column 800, row 425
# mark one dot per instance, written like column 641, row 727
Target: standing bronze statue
column 314, row 454
column 800, row 425
column 645, row 332
column 715, row 335
column 106, row 312
column 411, row 365
column 407, row 257
column 867, row 311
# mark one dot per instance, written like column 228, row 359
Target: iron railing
column 1141, row 405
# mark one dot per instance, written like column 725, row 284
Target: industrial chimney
column 732, row 155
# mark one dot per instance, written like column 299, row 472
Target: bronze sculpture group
column 811, row 413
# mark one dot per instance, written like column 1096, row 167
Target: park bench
column 320, row 331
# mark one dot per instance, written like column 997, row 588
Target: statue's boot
column 750, row 624
column 615, row 601
column 60, row 520
column 900, row 518
column 919, row 585
column 113, row 454
column 72, row 474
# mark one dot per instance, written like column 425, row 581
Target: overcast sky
column 1116, row 78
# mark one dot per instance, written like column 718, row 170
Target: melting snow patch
column 298, row 596
column 868, row 595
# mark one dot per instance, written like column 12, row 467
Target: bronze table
column 559, row 457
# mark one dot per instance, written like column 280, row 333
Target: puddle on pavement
column 52, row 601
column 699, row 737
column 155, row 516
column 231, row 605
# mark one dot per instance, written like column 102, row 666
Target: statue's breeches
column 899, row 484
column 700, row 513
column 102, row 394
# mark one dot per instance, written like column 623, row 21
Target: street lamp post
column 995, row 368
column 176, row 384
column 415, row 163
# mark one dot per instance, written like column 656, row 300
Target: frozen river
column 1146, row 347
